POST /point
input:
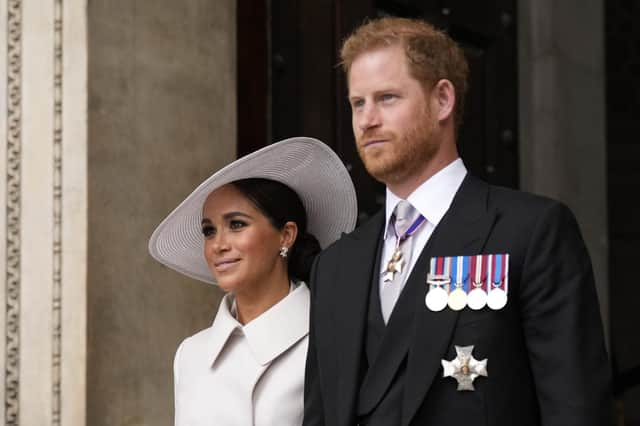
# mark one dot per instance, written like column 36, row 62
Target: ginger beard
column 405, row 154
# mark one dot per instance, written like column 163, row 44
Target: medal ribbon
column 466, row 277
column 505, row 274
column 473, row 271
column 481, row 276
column 498, row 270
column 439, row 270
column 456, row 271
column 410, row 231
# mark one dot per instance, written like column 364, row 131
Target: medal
column 458, row 297
column 397, row 262
column 477, row 298
column 438, row 280
column 464, row 368
column 497, row 298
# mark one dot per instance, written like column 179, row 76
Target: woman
column 253, row 228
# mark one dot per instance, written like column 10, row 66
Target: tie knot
column 404, row 214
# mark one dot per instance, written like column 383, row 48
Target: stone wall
column 562, row 116
column 161, row 119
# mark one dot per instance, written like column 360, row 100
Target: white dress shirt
column 432, row 199
column 235, row 375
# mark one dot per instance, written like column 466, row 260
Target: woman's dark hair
column 280, row 204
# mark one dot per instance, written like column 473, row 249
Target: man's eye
column 237, row 224
column 208, row 231
column 387, row 97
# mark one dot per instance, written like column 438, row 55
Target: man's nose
column 369, row 117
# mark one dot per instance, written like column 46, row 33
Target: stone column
column 43, row 224
column 562, row 116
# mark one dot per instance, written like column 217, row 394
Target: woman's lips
column 223, row 265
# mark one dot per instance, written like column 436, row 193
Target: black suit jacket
column 547, row 362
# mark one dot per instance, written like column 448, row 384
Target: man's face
column 394, row 128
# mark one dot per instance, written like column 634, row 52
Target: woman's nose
column 219, row 242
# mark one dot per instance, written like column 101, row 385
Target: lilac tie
column 402, row 218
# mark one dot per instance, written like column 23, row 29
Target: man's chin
column 385, row 173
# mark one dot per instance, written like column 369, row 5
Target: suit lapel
column 359, row 254
column 395, row 342
column 462, row 231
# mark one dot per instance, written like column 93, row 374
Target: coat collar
column 269, row 335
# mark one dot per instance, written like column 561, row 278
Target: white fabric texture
column 252, row 375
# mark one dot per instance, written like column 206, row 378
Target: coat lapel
column 395, row 342
column 359, row 251
column 462, row 231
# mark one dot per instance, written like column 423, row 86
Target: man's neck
column 405, row 187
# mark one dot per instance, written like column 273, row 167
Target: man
column 482, row 311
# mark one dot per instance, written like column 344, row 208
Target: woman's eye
column 387, row 97
column 208, row 231
column 237, row 224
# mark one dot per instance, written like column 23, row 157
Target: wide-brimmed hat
column 306, row 165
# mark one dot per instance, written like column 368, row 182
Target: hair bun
column 302, row 255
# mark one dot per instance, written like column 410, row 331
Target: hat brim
column 306, row 165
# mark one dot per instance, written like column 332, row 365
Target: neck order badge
column 397, row 261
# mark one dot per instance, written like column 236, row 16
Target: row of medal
column 473, row 281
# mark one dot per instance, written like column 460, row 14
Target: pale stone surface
column 36, row 220
column 161, row 119
column 562, row 117
column 50, row 233
column 74, row 215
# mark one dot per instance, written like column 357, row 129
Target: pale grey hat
column 306, row 165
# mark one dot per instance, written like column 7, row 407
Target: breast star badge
column 464, row 368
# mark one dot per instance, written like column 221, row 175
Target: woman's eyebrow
column 231, row 215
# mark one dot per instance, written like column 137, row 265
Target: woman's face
column 241, row 245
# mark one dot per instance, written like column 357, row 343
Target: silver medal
column 477, row 298
column 497, row 299
column 436, row 299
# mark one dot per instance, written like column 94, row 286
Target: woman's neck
column 257, row 300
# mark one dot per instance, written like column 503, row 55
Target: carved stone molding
column 14, row 126
column 56, row 352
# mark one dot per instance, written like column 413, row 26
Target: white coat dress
column 252, row 375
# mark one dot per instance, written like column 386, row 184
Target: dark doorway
column 623, row 174
column 300, row 90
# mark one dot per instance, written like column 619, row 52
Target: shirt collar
column 270, row 334
column 434, row 196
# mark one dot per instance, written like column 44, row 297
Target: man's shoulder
column 369, row 226
column 521, row 203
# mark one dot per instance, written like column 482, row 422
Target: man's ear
column 443, row 95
